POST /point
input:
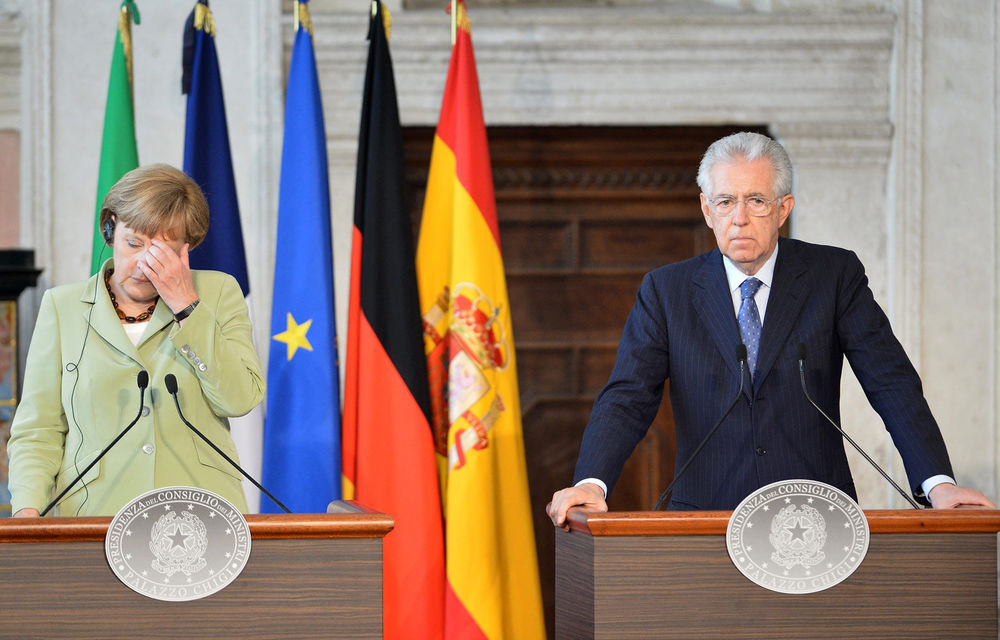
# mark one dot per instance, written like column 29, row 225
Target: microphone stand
column 171, row 383
column 143, row 381
column 802, row 379
column 741, row 354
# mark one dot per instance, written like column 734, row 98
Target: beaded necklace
column 142, row 317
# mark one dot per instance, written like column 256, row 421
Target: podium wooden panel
column 308, row 576
column 928, row 574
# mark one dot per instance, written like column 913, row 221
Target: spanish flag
column 492, row 572
column 388, row 446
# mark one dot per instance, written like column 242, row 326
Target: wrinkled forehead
column 740, row 177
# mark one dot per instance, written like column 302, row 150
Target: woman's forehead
column 170, row 234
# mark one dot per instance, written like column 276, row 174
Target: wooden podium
column 309, row 576
column 928, row 574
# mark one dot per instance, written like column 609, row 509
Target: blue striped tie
column 749, row 319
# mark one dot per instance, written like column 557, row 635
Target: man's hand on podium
column 26, row 512
column 949, row 496
column 587, row 495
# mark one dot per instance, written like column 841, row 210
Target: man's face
column 746, row 239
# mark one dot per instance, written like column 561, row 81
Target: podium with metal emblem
column 927, row 574
column 308, row 576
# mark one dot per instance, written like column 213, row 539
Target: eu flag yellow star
column 295, row 336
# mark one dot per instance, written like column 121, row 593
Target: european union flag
column 302, row 428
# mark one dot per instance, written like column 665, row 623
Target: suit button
column 145, row 411
column 148, row 449
column 185, row 349
column 761, row 451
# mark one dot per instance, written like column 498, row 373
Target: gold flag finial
column 203, row 19
column 459, row 20
column 125, row 32
column 302, row 18
column 386, row 17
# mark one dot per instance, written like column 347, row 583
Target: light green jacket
column 80, row 391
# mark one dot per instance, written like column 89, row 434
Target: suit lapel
column 789, row 290
column 714, row 304
column 161, row 317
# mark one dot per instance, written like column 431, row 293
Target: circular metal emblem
column 797, row 536
column 178, row 544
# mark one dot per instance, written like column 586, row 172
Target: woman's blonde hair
column 155, row 199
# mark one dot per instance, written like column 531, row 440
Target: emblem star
column 295, row 336
column 178, row 538
column 787, row 500
column 767, row 508
column 847, row 525
column 798, row 531
column 190, row 507
column 145, row 516
column 810, row 500
column 830, row 508
column 211, row 514
column 749, row 525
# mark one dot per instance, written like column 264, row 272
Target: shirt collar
column 736, row 277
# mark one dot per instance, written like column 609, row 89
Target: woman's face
column 129, row 247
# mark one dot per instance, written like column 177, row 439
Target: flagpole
column 454, row 21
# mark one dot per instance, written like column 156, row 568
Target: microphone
column 741, row 355
column 142, row 379
column 802, row 378
column 171, row 383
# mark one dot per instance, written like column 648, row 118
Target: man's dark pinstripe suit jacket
column 683, row 327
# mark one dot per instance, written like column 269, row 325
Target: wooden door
column 584, row 213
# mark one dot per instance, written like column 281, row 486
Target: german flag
column 492, row 572
column 388, row 448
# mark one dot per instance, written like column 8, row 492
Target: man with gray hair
column 780, row 299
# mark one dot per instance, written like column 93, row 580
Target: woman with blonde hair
column 145, row 310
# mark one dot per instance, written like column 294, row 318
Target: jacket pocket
column 211, row 458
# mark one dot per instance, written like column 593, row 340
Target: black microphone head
column 171, row 383
column 802, row 350
column 741, row 352
column 142, row 379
